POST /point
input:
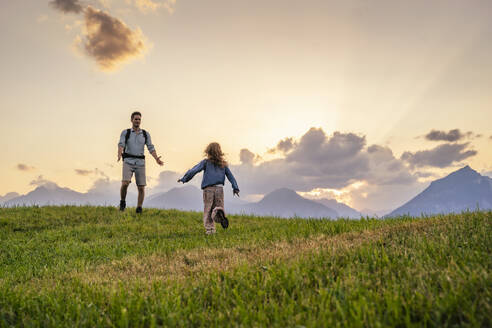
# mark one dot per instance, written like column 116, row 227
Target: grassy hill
column 93, row 266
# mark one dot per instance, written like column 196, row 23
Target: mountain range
column 464, row 189
column 8, row 196
column 287, row 203
column 52, row 194
column 280, row 203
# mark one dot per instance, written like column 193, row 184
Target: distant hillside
column 8, row 196
column 52, row 194
column 281, row 202
column 190, row 198
column 464, row 189
column 374, row 213
column 183, row 198
column 49, row 194
column 287, row 203
column 344, row 211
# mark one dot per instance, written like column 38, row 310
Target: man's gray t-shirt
column 136, row 146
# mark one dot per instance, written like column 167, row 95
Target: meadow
column 94, row 266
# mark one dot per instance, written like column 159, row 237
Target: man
column 131, row 149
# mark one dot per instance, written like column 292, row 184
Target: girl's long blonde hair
column 215, row 155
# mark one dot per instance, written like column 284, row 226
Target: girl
column 215, row 170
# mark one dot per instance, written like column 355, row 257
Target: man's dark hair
column 136, row 113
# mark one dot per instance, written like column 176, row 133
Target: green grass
column 92, row 266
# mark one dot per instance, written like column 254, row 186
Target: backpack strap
column 145, row 135
column 127, row 136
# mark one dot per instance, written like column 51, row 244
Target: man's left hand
column 159, row 161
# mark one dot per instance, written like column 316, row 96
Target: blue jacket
column 213, row 174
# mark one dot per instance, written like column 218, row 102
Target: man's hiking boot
column 139, row 210
column 122, row 205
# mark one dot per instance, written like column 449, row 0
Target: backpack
column 129, row 131
column 127, row 136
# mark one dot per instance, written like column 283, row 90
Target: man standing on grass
column 131, row 149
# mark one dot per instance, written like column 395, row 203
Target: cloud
column 109, row 41
column 96, row 172
column 424, row 174
column 248, row 157
column 168, row 180
column 441, row 156
column 67, row 6
column 105, row 186
column 385, row 169
column 105, row 3
column 487, row 173
column 41, row 181
column 83, row 172
column 318, row 160
column 451, row 135
column 24, row 167
column 283, row 146
column 342, row 165
column 146, row 6
column 42, row 18
column 385, row 197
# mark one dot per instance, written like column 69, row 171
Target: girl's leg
column 208, row 205
column 219, row 198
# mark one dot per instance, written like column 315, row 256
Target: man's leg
column 126, row 178
column 124, row 189
column 141, row 195
column 141, row 181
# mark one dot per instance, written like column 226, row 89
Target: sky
column 362, row 101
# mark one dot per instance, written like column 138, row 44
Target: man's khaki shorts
column 139, row 171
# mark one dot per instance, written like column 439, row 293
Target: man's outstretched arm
column 157, row 158
column 152, row 151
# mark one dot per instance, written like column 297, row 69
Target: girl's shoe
column 224, row 222
column 218, row 215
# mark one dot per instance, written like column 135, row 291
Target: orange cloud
column 25, row 167
column 146, row 6
column 83, row 172
column 109, row 41
column 67, row 6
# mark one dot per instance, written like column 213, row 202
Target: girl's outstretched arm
column 191, row 173
column 232, row 180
